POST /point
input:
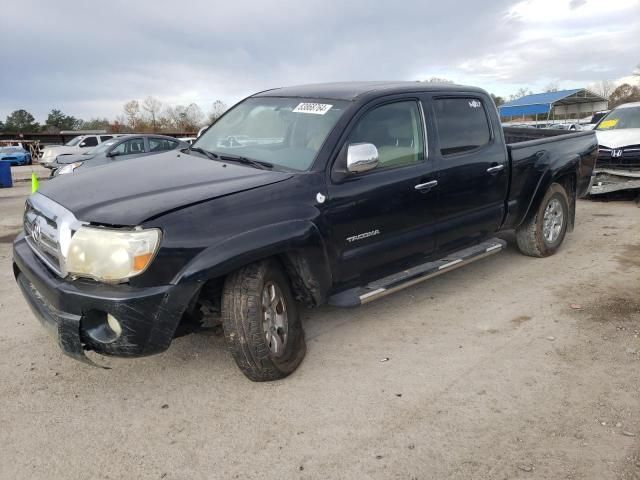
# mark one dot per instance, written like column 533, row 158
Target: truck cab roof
column 353, row 90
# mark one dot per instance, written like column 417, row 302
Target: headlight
column 69, row 168
column 111, row 255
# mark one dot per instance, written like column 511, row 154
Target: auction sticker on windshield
column 315, row 108
column 608, row 123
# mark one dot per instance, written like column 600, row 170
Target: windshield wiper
column 246, row 161
column 207, row 153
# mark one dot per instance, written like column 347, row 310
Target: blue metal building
column 562, row 104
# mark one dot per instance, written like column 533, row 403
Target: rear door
column 473, row 170
column 380, row 217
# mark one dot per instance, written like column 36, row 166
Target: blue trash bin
column 5, row 175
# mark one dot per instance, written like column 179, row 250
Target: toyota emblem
column 36, row 232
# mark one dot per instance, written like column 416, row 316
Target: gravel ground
column 512, row 367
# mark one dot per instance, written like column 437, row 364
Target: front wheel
column 261, row 322
column 543, row 233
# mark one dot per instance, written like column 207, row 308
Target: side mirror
column 82, row 144
column 362, row 157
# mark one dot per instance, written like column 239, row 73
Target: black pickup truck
column 334, row 193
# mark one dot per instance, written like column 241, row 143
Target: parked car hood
column 130, row 192
column 618, row 138
column 15, row 154
column 75, row 157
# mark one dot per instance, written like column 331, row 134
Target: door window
column 396, row 131
column 161, row 144
column 89, row 142
column 130, row 147
column 462, row 124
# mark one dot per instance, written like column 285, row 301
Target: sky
column 88, row 58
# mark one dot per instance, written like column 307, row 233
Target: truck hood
column 132, row 191
column 50, row 152
column 618, row 138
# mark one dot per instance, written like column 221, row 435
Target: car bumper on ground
column 607, row 180
column 75, row 312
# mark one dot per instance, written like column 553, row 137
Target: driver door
column 384, row 215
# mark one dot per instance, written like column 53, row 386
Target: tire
column 262, row 355
column 531, row 234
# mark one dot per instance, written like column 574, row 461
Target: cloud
column 88, row 58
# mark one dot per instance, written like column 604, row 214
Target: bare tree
column 132, row 112
column 437, row 80
column 185, row 118
column 522, row 92
column 552, row 87
column 152, row 106
column 217, row 109
column 602, row 88
column 625, row 93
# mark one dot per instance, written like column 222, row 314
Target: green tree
column 57, row 121
column 21, row 121
column 97, row 124
column 497, row 100
column 1, row 126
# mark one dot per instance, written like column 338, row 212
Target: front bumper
column 607, row 180
column 74, row 312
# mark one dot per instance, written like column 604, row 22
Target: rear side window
column 462, row 124
column 104, row 138
column 161, row 144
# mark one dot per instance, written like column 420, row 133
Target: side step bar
column 357, row 296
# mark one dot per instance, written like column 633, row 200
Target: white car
column 73, row 146
column 618, row 165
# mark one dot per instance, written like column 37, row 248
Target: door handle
column 495, row 169
column 426, row 186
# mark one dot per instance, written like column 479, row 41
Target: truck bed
column 538, row 154
column 517, row 135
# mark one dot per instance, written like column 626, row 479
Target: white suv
column 75, row 145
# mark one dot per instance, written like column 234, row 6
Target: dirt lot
column 510, row 368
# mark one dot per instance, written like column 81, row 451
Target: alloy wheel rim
column 275, row 323
column 552, row 221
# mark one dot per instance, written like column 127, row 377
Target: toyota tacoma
column 300, row 196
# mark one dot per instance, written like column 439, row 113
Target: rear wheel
column 261, row 322
column 543, row 233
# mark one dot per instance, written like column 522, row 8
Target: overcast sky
column 87, row 58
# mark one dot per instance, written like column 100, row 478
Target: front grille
column 42, row 236
column 626, row 158
column 48, row 228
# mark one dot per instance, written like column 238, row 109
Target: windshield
column 620, row 118
column 286, row 132
column 10, row 149
column 103, row 147
column 74, row 141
